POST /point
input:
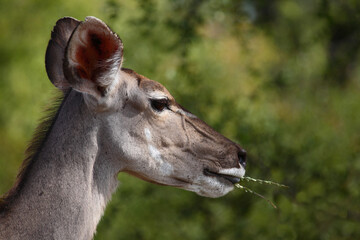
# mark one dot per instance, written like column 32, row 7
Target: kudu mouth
column 232, row 178
column 232, row 175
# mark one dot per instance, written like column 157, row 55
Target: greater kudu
column 110, row 120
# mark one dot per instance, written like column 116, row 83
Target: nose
column 242, row 157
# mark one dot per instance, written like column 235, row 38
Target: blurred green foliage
column 280, row 77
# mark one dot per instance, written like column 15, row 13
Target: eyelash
column 159, row 104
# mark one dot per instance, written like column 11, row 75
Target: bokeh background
column 280, row 77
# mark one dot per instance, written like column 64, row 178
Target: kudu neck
column 69, row 183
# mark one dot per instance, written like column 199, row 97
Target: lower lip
column 231, row 179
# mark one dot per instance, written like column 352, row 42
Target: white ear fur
column 93, row 57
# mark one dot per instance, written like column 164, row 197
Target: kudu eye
column 159, row 104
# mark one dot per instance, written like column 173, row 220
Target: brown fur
column 131, row 72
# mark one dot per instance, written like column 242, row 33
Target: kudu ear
column 92, row 57
column 55, row 52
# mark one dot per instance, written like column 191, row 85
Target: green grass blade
column 249, row 179
column 255, row 193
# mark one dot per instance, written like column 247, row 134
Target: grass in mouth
column 249, row 179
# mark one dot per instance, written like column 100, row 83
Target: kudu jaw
column 141, row 127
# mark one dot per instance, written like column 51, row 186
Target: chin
column 215, row 194
column 212, row 188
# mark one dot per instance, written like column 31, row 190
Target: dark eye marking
column 159, row 104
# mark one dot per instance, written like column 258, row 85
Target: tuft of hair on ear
column 93, row 57
column 55, row 52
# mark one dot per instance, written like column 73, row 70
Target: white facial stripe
column 164, row 167
column 155, row 154
column 147, row 134
column 236, row 172
column 157, row 161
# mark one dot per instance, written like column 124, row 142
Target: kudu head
column 140, row 125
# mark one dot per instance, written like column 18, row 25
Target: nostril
column 242, row 157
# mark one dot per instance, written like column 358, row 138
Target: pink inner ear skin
column 92, row 58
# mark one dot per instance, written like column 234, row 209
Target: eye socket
column 159, row 104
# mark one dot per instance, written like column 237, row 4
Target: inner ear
column 93, row 56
